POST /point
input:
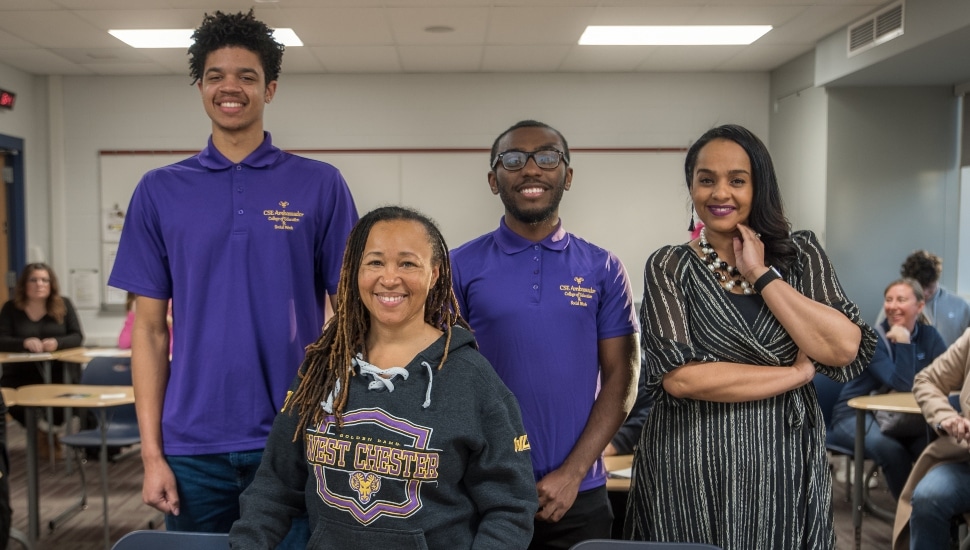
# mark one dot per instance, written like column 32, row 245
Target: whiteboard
column 629, row 202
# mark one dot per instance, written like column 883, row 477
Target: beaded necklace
column 727, row 275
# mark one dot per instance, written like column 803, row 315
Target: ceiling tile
column 59, row 29
column 605, row 58
column 357, row 59
column 334, row 26
column 531, row 25
column 524, row 59
column 408, row 25
column 41, row 61
column 431, row 59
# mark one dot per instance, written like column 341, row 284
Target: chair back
column 828, row 391
column 607, row 544
column 111, row 371
column 170, row 540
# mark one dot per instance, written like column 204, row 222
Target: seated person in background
column 906, row 345
column 124, row 338
column 939, row 487
column 37, row 320
column 397, row 432
column 948, row 313
column 627, row 436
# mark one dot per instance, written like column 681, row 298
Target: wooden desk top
column 84, row 355
column 9, row 396
column 24, row 357
column 614, row 463
column 74, row 395
column 903, row 402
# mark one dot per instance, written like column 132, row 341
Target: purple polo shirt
column 538, row 311
column 247, row 252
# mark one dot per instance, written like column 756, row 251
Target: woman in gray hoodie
column 396, row 433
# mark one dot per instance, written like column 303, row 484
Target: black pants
column 591, row 517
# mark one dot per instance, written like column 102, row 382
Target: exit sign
column 7, row 99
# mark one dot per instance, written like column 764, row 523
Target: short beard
column 532, row 217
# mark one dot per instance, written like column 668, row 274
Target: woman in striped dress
column 736, row 323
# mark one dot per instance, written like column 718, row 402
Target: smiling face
column 902, row 306
column 531, row 195
column 234, row 91
column 722, row 187
column 396, row 273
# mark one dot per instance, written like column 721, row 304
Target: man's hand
column 159, row 489
column 557, row 492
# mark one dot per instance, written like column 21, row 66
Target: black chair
column 170, row 540
column 827, row 391
column 608, row 544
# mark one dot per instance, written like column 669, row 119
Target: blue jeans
column 943, row 492
column 209, row 487
column 894, row 456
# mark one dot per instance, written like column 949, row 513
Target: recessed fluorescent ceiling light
column 680, row 35
column 182, row 38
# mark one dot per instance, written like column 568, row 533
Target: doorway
column 13, row 241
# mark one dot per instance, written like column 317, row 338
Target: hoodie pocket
column 332, row 535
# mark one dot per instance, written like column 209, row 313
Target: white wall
column 388, row 111
column 893, row 184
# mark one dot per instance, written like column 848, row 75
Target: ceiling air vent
column 876, row 29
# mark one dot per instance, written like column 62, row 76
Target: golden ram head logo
column 366, row 485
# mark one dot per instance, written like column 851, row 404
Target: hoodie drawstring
column 378, row 381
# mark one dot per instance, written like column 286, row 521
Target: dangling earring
column 691, row 226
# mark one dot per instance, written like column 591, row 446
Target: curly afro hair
column 243, row 30
column 923, row 266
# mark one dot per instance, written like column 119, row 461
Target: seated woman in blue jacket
column 907, row 343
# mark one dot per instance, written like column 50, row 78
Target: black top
column 15, row 327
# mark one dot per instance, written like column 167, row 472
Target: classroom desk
column 614, row 463
column 66, row 395
column 83, row 356
column 898, row 402
column 46, row 360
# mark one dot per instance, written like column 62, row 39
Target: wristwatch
column 940, row 430
column 771, row 275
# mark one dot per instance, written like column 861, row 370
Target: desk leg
column 859, row 460
column 33, row 506
column 48, row 379
column 104, row 473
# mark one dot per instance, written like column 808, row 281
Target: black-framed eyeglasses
column 547, row 159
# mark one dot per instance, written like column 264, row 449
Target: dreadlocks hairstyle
column 767, row 211
column 328, row 360
column 242, row 30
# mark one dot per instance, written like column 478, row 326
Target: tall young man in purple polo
column 247, row 241
column 554, row 315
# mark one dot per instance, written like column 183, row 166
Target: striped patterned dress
column 742, row 476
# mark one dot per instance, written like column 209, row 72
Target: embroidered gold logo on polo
column 522, row 443
column 578, row 294
column 283, row 219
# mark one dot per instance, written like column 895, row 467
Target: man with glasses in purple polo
column 554, row 315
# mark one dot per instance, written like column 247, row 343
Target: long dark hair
column 55, row 303
column 767, row 211
column 328, row 360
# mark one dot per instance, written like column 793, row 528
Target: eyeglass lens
column 546, row 159
column 37, row 280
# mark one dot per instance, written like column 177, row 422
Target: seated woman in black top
column 37, row 320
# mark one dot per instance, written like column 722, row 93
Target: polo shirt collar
column 511, row 242
column 264, row 155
